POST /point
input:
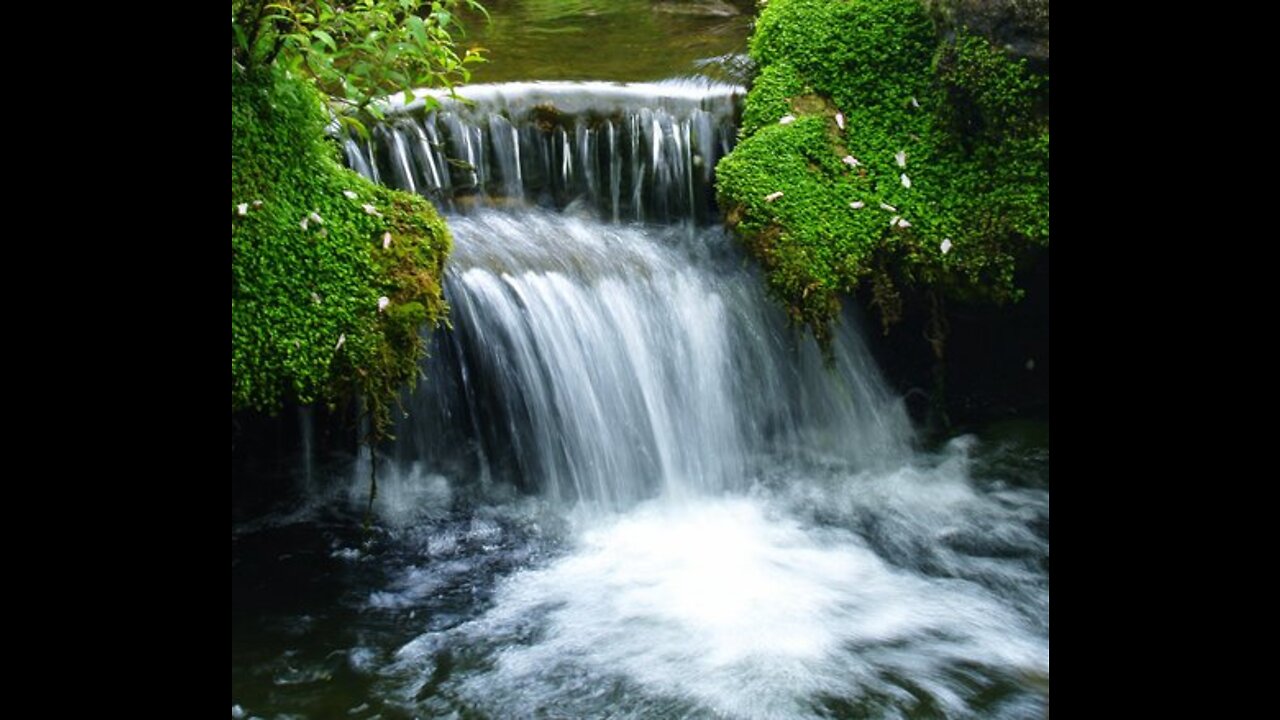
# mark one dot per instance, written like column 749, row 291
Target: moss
column 305, row 322
column 770, row 96
column 972, row 125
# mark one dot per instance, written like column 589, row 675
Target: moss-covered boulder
column 1019, row 26
column 877, row 154
column 332, row 277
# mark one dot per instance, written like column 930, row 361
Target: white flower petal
column 857, row 204
column 370, row 209
column 773, row 196
column 894, row 221
column 315, row 298
column 257, row 203
column 840, row 120
column 906, row 181
column 786, row 119
column 383, row 302
column 904, row 224
column 901, row 157
column 303, row 223
column 890, row 208
column 946, row 246
column 850, row 160
column 914, row 103
column 350, row 194
column 243, row 208
column 386, row 240
column 316, row 217
column 341, row 339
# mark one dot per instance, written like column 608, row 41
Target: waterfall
column 714, row 518
column 641, row 151
column 605, row 362
column 610, row 363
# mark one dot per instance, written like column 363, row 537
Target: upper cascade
column 626, row 152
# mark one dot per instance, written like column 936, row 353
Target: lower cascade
column 624, row 487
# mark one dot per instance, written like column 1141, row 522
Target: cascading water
column 716, row 521
column 607, row 364
column 641, row 152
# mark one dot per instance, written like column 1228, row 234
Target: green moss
column 969, row 120
column 305, row 323
column 771, row 96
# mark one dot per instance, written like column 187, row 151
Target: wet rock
column 1020, row 26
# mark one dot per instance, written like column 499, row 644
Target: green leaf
column 418, row 30
column 325, row 38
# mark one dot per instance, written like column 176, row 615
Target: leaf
column 418, row 30
column 325, row 38
column 474, row 5
column 356, row 125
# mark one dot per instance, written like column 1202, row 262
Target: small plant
column 355, row 51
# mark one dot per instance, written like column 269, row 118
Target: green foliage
column 354, row 51
column 976, row 144
column 305, row 322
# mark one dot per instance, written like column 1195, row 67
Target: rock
column 1020, row 26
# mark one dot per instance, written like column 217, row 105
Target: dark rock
column 1020, row 26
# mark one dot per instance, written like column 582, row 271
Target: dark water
column 627, row 40
column 428, row 616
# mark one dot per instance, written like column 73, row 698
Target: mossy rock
column 309, row 263
column 937, row 180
